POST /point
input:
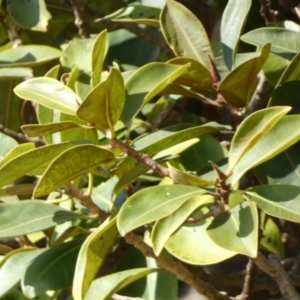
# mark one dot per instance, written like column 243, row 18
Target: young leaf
column 283, row 135
column 29, row 161
column 237, row 230
column 28, row 56
column 50, row 93
column 69, row 165
column 239, row 85
column 191, row 244
column 104, row 104
column 27, row 216
column 285, row 43
column 281, row 201
column 104, row 287
column 147, row 82
column 13, row 266
column 233, row 21
column 251, row 130
column 92, row 255
column 98, row 55
column 165, row 227
column 7, row 143
column 184, row 33
column 51, row 270
column 153, row 203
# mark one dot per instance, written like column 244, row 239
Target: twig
column 275, row 270
column 119, row 297
column 248, row 282
column 177, row 268
column 139, row 157
column 86, row 200
column 267, row 13
column 82, row 26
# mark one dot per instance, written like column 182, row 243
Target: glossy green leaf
column 283, row 135
column 239, row 85
column 153, row 203
column 92, row 255
column 104, row 287
column 233, row 20
column 75, row 161
column 170, row 136
column 285, row 43
column 185, row 178
column 281, row 201
column 184, row 33
column 197, row 76
column 27, row 216
column 292, row 71
column 45, row 129
column 98, row 55
column 29, row 161
column 191, row 244
column 104, row 104
column 7, row 143
column 44, row 17
column 140, row 14
column 69, row 79
column 16, row 151
column 15, row 72
column 13, row 267
column 147, row 82
column 274, row 68
column 251, row 130
column 271, row 237
column 237, row 230
column 50, row 93
column 166, row 226
column 28, row 56
column 51, row 270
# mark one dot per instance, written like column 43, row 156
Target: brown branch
column 85, row 200
column 274, row 268
column 139, row 157
column 248, row 282
column 182, row 273
column 267, row 13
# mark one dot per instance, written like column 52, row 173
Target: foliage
column 112, row 155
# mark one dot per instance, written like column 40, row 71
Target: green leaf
column 75, row 161
column 104, row 104
column 281, row 201
column 140, row 14
column 51, row 270
column 103, row 288
column 251, row 130
column 27, row 216
column 285, row 43
column 165, row 227
column 184, row 33
column 50, row 93
column 28, row 56
column 170, row 136
column 13, row 266
column 92, row 255
column 191, row 244
column 15, row 72
column 237, row 230
column 271, row 237
column 182, row 177
column 283, row 135
column 7, row 143
column 197, row 76
column 30, row 160
column 274, row 68
column 146, row 83
column 45, row 129
column 233, row 21
column 239, row 85
column 292, row 72
column 153, row 203
column 98, row 55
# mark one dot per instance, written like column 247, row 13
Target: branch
column 248, row 282
column 177, row 268
column 274, row 269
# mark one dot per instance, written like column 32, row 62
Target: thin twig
column 274, row 268
column 248, row 282
column 267, row 13
column 182, row 273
